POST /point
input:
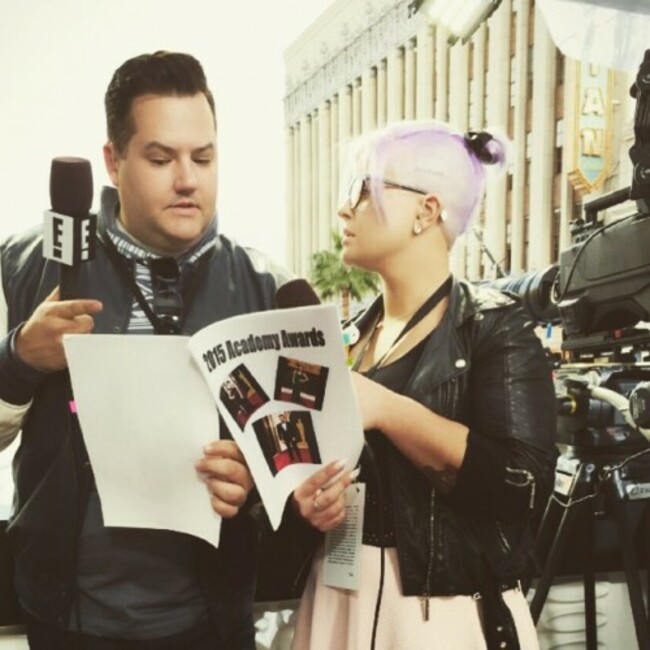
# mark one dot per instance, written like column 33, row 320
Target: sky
column 59, row 55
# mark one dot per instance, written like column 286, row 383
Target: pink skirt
column 340, row 619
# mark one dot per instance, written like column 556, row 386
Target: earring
column 417, row 227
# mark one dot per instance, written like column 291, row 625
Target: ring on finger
column 317, row 505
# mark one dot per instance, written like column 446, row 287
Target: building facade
column 364, row 64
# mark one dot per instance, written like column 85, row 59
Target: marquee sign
column 593, row 122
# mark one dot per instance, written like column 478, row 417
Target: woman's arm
column 501, row 463
column 434, row 444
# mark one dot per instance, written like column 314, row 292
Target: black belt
column 498, row 625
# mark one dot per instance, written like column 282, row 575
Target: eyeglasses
column 359, row 187
column 167, row 303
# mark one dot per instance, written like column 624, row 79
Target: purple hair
column 433, row 157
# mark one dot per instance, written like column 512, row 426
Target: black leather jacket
column 485, row 367
column 51, row 469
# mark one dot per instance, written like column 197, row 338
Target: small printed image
column 301, row 383
column 286, row 438
column 242, row 395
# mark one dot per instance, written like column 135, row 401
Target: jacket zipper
column 504, row 539
column 447, row 397
column 424, row 598
column 529, row 480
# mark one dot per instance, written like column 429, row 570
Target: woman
column 458, row 407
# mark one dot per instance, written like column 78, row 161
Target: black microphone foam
column 69, row 232
column 296, row 293
column 71, row 186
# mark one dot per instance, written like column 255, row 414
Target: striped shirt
column 132, row 249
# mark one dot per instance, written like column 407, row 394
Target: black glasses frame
column 360, row 184
column 167, row 302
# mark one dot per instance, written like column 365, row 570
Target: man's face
column 167, row 177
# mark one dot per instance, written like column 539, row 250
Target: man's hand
column 320, row 500
column 226, row 475
column 40, row 341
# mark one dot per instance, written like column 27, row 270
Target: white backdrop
column 57, row 57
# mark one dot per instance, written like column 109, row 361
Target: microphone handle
column 71, row 284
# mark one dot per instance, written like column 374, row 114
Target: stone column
column 543, row 144
column 324, row 176
column 519, row 208
column 569, row 162
column 395, row 85
column 293, row 220
column 345, row 124
column 369, row 100
column 442, row 65
column 409, row 80
column 424, row 85
column 476, row 119
column 381, row 93
column 478, row 81
column 315, row 236
column 297, row 194
column 305, row 163
column 334, row 162
column 459, row 87
column 458, row 116
column 496, row 113
column 356, row 107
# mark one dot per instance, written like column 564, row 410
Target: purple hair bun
column 485, row 147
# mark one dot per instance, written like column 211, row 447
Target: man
column 298, row 378
column 81, row 584
column 290, row 436
column 235, row 401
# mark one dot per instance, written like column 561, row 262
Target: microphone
column 69, row 231
column 299, row 293
column 296, row 293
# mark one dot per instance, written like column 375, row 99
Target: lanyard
column 162, row 324
column 431, row 302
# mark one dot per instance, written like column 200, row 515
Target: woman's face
column 374, row 236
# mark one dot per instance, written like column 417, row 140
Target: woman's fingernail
column 340, row 464
column 354, row 474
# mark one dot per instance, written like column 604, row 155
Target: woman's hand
column 226, row 475
column 320, row 500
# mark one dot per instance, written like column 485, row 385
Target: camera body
column 591, row 417
column 599, row 293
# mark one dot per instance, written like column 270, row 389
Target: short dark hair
column 160, row 73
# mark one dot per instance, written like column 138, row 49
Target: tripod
column 587, row 487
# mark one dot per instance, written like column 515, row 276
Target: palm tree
column 332, row 277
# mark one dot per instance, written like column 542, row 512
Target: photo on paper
column 242, row 395
column 300, row 382
column 287, row 438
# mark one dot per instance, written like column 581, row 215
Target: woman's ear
column 430, row 210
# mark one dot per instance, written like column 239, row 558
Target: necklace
column 430, row 303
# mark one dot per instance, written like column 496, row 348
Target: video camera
column 599, row 292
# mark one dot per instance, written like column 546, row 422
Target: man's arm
column 33, row 349
column 39, row 342
column 11, row 415
column 11, row 421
